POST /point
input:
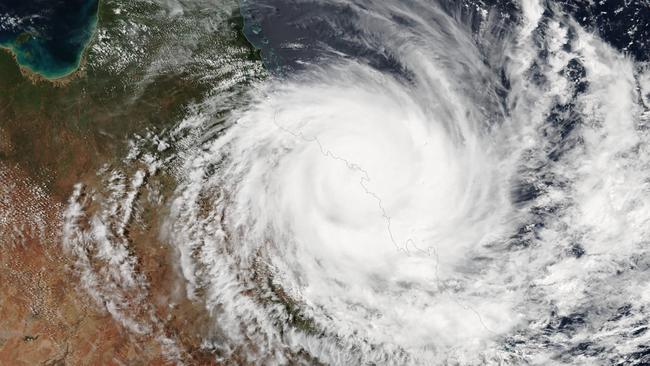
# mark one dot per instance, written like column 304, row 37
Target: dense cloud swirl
column 451, row 186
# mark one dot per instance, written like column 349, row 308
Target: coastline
column 36, row 77
column 64, row 78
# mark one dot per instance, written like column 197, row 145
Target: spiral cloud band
column 445, row 188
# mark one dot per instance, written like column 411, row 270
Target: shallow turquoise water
column 48, row 37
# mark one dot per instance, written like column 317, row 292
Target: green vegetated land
column 140, row 72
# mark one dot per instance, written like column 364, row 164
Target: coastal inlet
column 47, row 38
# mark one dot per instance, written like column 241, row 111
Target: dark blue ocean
column 47, row 36
column 291, row 34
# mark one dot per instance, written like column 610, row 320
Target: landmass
column 137, row 77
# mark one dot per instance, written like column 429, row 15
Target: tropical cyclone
column 463, row 207
column 424, row 182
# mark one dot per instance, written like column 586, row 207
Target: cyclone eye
column 415, row 182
